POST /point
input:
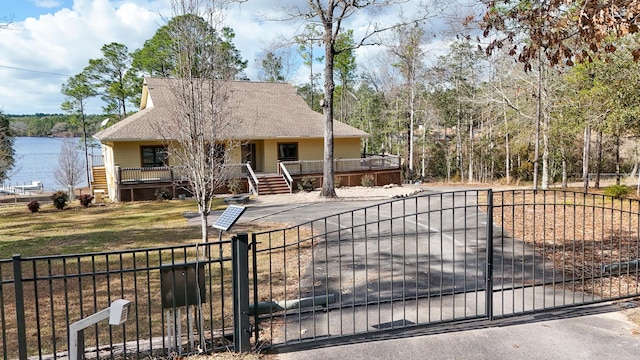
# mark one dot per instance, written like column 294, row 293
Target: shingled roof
column 257, row 110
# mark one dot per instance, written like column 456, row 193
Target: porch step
column 271, row 185
column 99, row 183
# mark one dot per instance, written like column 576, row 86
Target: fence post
column 19, row 293
column 489, row 264
column 240, row 282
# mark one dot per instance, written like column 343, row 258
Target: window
column 288, row 151
column 153, row 156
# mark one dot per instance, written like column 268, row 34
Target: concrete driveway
column 590, row 335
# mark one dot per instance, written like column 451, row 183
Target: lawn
column 113, row 227
column 97, row 228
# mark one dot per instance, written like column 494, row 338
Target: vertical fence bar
column 20, row 315
column 256, row 314
column 241, row 330
column 489, row 265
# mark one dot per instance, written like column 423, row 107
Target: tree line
column 58, row 125
column 536, row 100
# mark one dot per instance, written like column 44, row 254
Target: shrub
column 85, row 200
column 367, row 180
column 617, row 191
column 235, row 186
column 337, row 182
column 60, row 199
column 163, row 194
column 307, row 184
column 34, row 206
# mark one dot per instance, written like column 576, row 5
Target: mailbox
column 180, row 283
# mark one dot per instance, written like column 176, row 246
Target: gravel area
column 343, row 193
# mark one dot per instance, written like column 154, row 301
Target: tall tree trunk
column 328, row 189
column 459, row 146
column 470, row 151
column 617, row 157
column 598, row 159
column 411, row 120
column 545, row 157
column 204, row 225
column 536, row 152
column 586, row 148
column 564, row 169
column 507, row 157
column 545, row 130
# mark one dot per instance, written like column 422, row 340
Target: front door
column 249, row 154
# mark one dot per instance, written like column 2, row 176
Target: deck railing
column 97, row 160
column 149, row 174
column 302, row 167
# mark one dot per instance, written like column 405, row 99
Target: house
column 275, row 126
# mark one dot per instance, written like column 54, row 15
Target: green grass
column 79, row 230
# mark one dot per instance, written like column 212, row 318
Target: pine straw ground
column 579, row 234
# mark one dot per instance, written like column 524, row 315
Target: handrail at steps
column 253, row 180
column 287, row 177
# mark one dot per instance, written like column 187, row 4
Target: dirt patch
column 586, row 236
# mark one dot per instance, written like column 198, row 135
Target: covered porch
column 147, row 183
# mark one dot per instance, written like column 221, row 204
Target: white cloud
column 62, row 41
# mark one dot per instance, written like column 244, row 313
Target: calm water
column 36, row 159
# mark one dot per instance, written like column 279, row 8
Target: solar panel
column 229, row 217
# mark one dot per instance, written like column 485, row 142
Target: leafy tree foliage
column 52, row 125
column 78, row 91
column 7, row 153
column 345, row 70
column 113, row 78
column 158, row 56
column 271, row 68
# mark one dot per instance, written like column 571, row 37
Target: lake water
column 36, row 159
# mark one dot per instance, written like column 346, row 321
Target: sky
column 49, row 40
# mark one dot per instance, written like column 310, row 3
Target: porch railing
column 286, row 176
column 142, row 175
column 97, row 160
column 302, row 167
column 252, row 179
column 149, row 174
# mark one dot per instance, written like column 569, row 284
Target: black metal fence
column 430, row 259
column 408, row 262
column 41, row 296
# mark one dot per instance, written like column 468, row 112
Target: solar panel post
column 229, row 217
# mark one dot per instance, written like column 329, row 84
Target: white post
column 119, row 315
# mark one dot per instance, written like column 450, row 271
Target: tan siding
column 310, row 149
column 260, row 157
column 346, row 148
column 270, row 155
column 107, row 154
column 127, row 154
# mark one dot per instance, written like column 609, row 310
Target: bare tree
column 276, row 62
column 69, row 170
column 198, row 137
column 409, row 54
column 331, row 15
column 5, row 23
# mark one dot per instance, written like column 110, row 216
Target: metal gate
column 425, row 260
